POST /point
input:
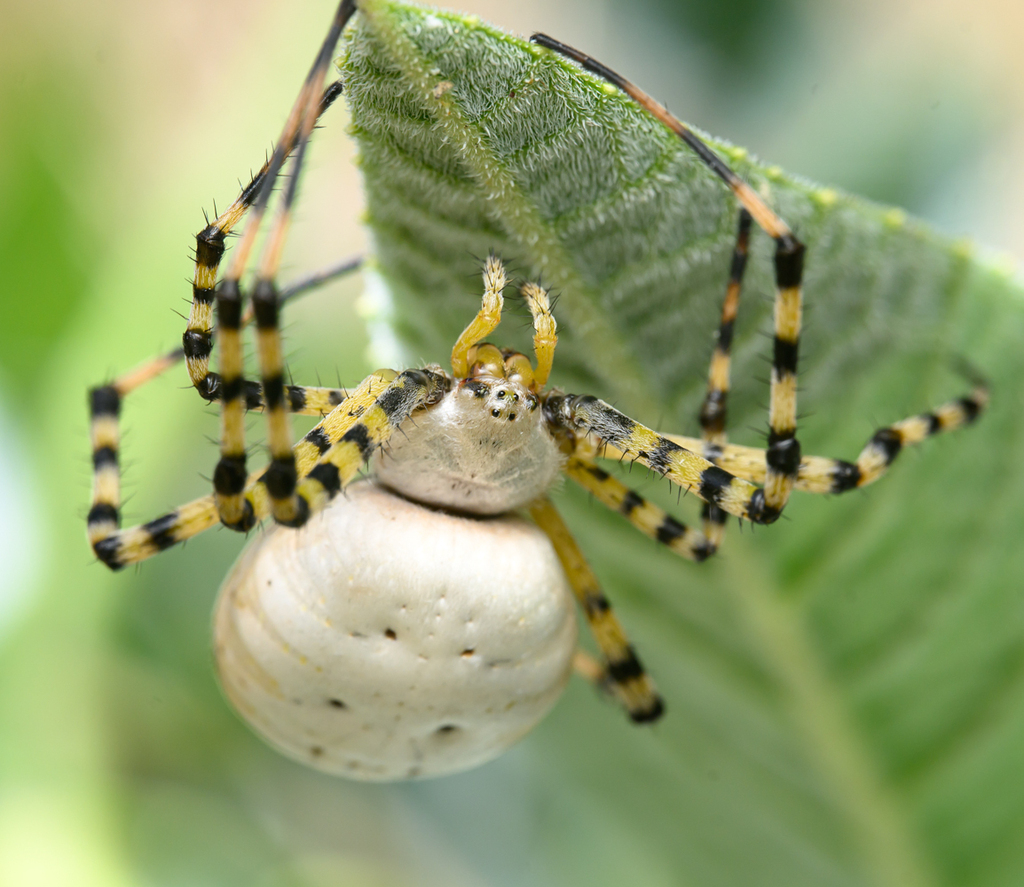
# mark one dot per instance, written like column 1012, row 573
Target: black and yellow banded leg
column 301, row 399
column 591, row 416
column 821, row 474
column 105, row 407
column 230, row 473
column 411, row 390
column 281, row 475
column 197, row 341
column 714, row 410
column 624, row 675
column 783, row 455
column 105, row 437
column 117, row 548
column 229, row 476
column 645, row 516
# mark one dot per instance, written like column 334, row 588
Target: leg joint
column 888, row 442
column 197, row 344
column 232, row 389
column 209, row 246
column 229, row 305
column 265, row 304
column 713, row 411
column 783, row 455
column 273, row 391
column 280, row 477
column 103, row 513
column 108, row 551
column 789, row 262
column 246, row 522
column 759, row 511
column 845, row 476
column 785, row 356
column 104, row 401
column 229, row 476
column 209, row 387
column 328, row 477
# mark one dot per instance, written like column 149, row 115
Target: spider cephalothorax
column 420, row 625
column 486, row 447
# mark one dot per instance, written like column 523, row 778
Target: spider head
column 501, row 381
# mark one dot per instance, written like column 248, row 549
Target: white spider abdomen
column 387, row 641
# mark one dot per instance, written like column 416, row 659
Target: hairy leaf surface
column 845, row 689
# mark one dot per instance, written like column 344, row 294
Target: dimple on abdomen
column 387, row 641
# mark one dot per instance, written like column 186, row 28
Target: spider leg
column 229, row 476
column 544, row 332
column 314, row 281
column 622, row 671
column 715, row 407
column 821, row 474
column 591, row 669
column 783, row 454
column 589, row 415
column 486, row 320
column 105, row 408
column 340, row 459
column 645, row 516
column 197, row 341
column 303, row 400
column 117, row 548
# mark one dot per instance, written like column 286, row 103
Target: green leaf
column 843, row 688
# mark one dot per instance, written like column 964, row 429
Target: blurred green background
column 119, row 122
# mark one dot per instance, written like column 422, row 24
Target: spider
column 419, row 625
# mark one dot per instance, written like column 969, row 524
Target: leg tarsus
column 486, row 320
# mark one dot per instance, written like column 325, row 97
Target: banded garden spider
column 483, row 441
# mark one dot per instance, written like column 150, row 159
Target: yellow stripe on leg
column 626, row 676
column 487, row 318
column 544, row 333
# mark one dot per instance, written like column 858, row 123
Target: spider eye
column 495, row 413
